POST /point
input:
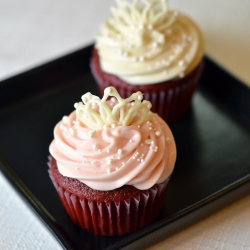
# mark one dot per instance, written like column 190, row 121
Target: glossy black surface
column 212, row 143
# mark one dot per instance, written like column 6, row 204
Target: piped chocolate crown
column 112, row 110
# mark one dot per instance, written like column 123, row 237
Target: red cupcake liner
column 112, row 217
column 171, row 99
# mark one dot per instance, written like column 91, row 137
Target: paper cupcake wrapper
column 171, row 99
column 113, row 218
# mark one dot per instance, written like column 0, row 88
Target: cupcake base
column 108, row 213
column 170, row 99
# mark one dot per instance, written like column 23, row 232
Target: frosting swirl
column 144, row 42
column 116, row 155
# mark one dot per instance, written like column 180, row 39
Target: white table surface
column 35, row 32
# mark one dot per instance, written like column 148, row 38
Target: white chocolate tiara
column 140, row 11
column 140, row 21
column 99, row 113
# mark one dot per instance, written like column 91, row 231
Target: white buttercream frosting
column 144, row 42
column 93, row 144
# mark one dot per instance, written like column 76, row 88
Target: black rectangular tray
column 212, row 143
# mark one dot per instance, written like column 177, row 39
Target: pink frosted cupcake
column 111, row 161
column 144, row 46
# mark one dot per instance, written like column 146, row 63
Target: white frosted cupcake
column 145, row 46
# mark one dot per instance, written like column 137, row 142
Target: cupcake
column 111, row 160
column 145, row 46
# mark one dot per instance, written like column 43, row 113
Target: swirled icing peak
column 99, row 113
column 145, row 42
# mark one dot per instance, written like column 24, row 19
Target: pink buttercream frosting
column 110, row 143
column 110, row 158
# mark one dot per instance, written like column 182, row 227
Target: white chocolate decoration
column 144, row 42
column 125, row 154
column 117, row 112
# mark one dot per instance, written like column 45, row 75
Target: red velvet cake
column 108, row 213
column 111, row 162
column 171, row 100
column 145, row 46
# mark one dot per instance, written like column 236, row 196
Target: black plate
column 212, row 143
